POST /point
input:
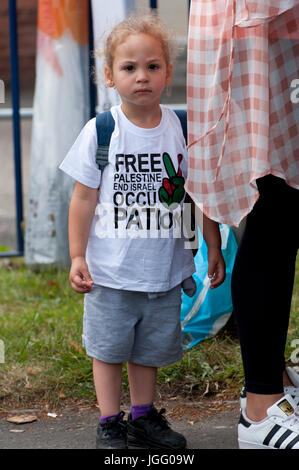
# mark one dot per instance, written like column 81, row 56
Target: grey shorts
column 129, row 326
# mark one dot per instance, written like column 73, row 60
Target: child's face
column 139, row 70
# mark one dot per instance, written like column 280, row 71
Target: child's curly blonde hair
column 147, row 24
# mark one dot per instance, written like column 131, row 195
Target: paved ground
column 71, row 430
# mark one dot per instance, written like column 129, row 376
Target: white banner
column 106, row 15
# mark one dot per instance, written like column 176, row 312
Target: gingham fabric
column 243, row 109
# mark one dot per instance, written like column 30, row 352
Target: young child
column 132, row 277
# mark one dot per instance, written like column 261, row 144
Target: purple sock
column 103, row 419
column 140, row 410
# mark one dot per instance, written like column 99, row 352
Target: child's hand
column 216, row 269
column 79, row 277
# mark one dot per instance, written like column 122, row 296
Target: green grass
column 41, row 327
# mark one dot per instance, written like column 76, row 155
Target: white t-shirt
column 136, row 241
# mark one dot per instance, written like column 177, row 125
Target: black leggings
column 262, row 283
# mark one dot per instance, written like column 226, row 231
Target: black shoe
column 153, row 432
column 112, row 434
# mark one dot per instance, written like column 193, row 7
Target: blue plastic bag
column 204, row 314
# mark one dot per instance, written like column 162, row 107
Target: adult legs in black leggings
column 262, row 285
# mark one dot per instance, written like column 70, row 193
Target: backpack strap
column 105, row 126
column 182, row 115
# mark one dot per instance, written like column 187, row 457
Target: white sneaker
column 292, row 390
column 280, row 430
